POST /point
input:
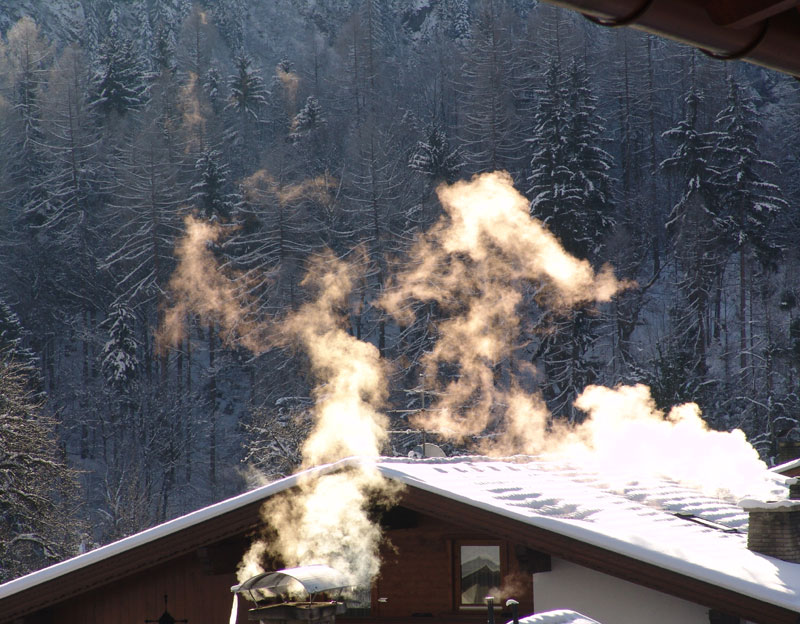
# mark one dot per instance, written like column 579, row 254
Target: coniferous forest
column 301, row 126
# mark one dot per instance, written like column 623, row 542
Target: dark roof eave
column 773, row 42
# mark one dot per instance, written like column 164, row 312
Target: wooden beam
column 532, row 561
column 744, row 13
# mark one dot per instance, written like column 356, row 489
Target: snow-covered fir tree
column 248, row 95
column 434, row 158
column 210, row 193
column 698, row 234
column 119, row 81
column 119, row 358
column 752, row 201
column 456, row 15
column 308, row 118
column 213, row 88
column 247, row 101
column 569, row 170
column 750, row 204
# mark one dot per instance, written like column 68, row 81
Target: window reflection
column 480, row 573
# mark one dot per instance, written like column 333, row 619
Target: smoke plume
column 326, row 519
column 480, row 264
column 199, row 287
column 477, row 263
column 262, row 187
column 349, row 373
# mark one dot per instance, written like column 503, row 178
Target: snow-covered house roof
column 790, row 468
column 658, row 525
column 662, row 523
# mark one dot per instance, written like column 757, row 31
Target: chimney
column 775, row 525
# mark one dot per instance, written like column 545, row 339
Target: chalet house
column 548, row 535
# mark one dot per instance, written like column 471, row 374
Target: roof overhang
column 763, row 32
column 790, row 468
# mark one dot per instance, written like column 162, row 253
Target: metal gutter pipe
column 772, row 42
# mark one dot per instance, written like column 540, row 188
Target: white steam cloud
column 326, row 520
column 198, row 286
column 351, row 380
column 477, row 263
column 480, row 263
column 627, row 436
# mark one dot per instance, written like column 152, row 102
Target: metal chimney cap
column 313, row 579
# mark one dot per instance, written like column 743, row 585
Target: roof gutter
column 767, row 35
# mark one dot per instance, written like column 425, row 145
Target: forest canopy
column 292, row 130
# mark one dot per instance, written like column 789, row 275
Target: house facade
column 545, row 535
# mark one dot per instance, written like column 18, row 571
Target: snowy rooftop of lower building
column 785, row 467
column 658, row 522
column 558, row 617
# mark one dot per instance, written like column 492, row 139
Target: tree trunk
column 742, row 311
column 212, row 416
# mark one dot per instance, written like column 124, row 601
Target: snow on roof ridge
column 462, row 459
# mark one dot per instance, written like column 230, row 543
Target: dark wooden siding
column 418, row 572
column 417, row 577
column 113, row 573
column 192, row 593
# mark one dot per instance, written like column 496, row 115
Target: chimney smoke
column 481, row 264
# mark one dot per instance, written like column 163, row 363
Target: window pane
column 480, row 573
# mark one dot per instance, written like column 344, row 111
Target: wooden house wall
column 419, row 574
column 195, row 590
column 418, row 578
